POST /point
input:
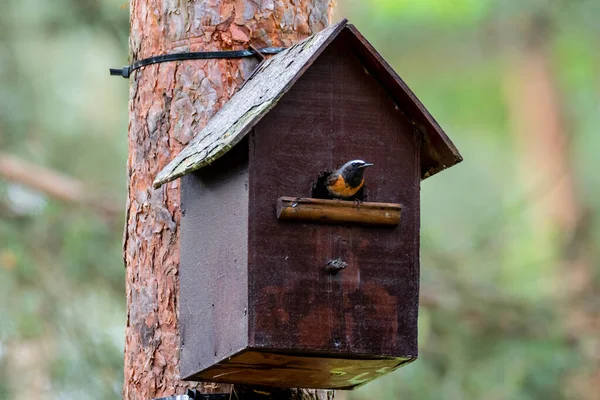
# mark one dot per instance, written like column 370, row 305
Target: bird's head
column 355, row 166
column 354, row 170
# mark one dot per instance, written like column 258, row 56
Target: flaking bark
column 169, row 104
column 258, row 96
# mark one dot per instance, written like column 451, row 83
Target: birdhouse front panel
column 336, row 112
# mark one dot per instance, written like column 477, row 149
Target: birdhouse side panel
column 213, row 296
column 336, row 112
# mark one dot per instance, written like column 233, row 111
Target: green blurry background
column 510, row 254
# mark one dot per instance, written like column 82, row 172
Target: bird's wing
column 332, row 178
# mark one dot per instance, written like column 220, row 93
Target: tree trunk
column 169, row 104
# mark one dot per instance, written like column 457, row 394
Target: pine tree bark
column 169, row 104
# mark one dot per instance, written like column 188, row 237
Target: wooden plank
column 334, row 113
column 213, row 295
column 274, row 78
column 259, row 94
column 338, row 211
column 318, row 371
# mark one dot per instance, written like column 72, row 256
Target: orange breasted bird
column 346, row 181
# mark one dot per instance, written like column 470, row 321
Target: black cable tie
column 126, row 71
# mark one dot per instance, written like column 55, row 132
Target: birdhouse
column 283, row 283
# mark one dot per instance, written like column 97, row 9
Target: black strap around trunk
column 126, row 71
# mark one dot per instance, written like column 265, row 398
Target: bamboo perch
column 338, row 211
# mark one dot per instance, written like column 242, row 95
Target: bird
column 347, row 180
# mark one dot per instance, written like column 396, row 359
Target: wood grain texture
column 169, row 104
column 213, row 293
column 338, row 211
column 257, row 96
column 303, row 370
column 336, row 112
column 276, row 76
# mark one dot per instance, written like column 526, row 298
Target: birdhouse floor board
column 255, row 367
column 338, row 211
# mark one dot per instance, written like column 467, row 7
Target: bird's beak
column 365, row 165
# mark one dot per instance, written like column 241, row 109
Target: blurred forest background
column 510, row 237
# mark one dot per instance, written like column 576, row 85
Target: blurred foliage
column 491, row 327
column 62, row 292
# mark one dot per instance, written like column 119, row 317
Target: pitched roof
column 261, row 92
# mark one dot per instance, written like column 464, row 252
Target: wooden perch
column 338, row 211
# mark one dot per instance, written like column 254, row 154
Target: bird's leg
column 357, row 202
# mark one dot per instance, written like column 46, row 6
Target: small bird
column 346, row 181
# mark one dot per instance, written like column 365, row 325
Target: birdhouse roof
column 273, row 78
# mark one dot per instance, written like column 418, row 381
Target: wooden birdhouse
column 281, row 283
